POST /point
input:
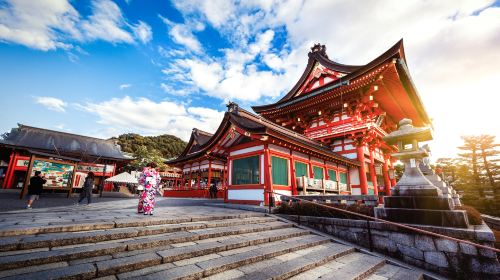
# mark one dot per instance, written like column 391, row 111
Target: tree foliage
column 150, row 148
column 476, row 173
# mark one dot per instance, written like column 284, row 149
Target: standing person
column 88, row 185
column 35, row 188
column 150, row 179
column 213, row 190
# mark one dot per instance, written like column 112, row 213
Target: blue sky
column 103, row 67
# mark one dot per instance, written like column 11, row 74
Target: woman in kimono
column 150, row 179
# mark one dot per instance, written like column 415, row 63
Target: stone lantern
column 413, row 182
column 415, row 199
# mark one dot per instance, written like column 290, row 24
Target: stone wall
column 492, row 222
column 440, row 255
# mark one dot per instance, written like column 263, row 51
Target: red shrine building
column 324, row 136
column 57, row 152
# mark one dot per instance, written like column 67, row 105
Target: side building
column 66, row 157
column 341, row 110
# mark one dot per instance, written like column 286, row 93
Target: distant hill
column 168, row 145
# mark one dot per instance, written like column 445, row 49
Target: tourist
column 88, row 185
column 213, row 190
column 150, row 180
column 35, row 188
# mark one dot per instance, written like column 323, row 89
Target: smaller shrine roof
column 197, row 139
column 258, row 125
column 62, row 143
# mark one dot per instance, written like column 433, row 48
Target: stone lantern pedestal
column 415, row 199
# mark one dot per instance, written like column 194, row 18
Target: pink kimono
column 150, row 179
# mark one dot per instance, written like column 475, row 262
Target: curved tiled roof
column 61, row 143
column 197, row 139
column 258, row 125
column 351, row 71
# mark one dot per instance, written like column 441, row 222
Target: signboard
column 98, row 169
column 23, row 163
column 58, row 175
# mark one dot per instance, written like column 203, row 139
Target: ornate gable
column 319, row 76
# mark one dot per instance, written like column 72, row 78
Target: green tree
column 487, row 148
column 168, row 146
column 143, row 156
column 471, row 148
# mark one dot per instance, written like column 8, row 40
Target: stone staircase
column 233, row 246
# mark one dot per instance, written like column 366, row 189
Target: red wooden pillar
column 209, row 173
column 393, row 180
column 372, row 173
column 10, row 169
column 311, row 171
column 209, row 176
column 292, row 175
column 199, row 176
column 387, row 180
column 362, row 170
column 268, row 181
column 224, row 178
column 190, row 176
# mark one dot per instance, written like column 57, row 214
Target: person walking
column 35, row 188
column 88, row 185
column 150, row 180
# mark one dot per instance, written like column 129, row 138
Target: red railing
column 383, row 221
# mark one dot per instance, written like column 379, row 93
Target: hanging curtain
column 279, row 171
column 343, row 178
column 332, row 175
column 300, row 169
column 318, row 172
column 245, row 171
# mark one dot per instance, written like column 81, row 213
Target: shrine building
column 324, row 136
column 79, row 154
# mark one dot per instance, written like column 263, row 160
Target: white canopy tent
column 124, row 178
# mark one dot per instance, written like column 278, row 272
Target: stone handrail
column 347, row 199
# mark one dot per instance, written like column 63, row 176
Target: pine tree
column 487, row 147
column 471, row 146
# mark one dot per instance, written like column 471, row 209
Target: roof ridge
column 202, row 131
column 65, row 133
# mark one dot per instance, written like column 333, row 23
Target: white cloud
column 124, row 86
column 217, row 12
column 52, row 103
column 143, row 32
column 106, row 23
column 56, row 24
column 182, row 34
column 149, row 117
column 38, row 24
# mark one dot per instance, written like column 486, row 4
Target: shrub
column 309, row 209
column 472, row 214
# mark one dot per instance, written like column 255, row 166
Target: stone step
column 288, row 265
column 144, row 242
column 70, row 238
column 125, row 264
column 196, row 268
column 394, row 272
column 355, row 266
column 148, row 262
column 24, row 229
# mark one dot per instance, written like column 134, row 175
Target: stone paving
column 185, row 239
